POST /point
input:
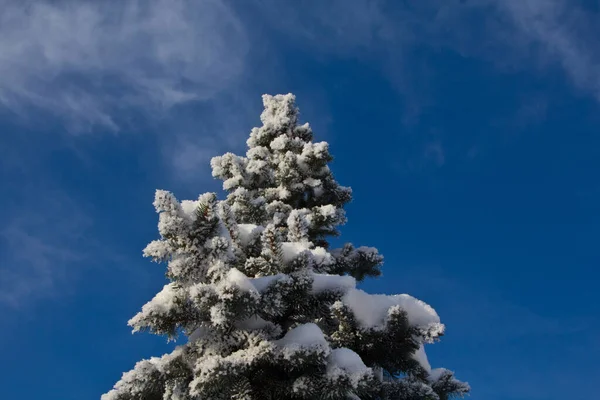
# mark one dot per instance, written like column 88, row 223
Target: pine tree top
column 283, row 171
column 269, row 311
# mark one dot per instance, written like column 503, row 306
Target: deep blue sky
column 468, row 130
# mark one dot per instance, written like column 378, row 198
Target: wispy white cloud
column 87, row 61
column 99, row 64
column 566, row 34
column 543, row 38
column 213, row 128
column 190, row 156
column 522, row 34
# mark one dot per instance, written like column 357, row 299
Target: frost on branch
column 358, row 262
column 268, row 310
column 372, row 311
column 284, row 170
column 162, row 313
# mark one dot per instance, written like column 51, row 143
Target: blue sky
column 468, row 131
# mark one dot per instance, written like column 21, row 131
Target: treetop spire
column 269, row 311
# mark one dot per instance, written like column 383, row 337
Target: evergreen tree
column 268, row 309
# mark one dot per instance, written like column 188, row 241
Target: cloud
column 87, row 62
column 565, row 32
column 90, row 62
column 209, row 130
column 525, row 35
column 190, row 156
column 104, row 64
column 39, row 244
column 530, row 35
column 418, row 47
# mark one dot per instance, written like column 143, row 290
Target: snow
column 158, row 250
column 164, row 201
column 367, row 250
column 140, row 378
column 291, row 250
column 229, row 168
column 347, row 360
column 371, row 310
column 133, row 381
column 162, row 303
column 213, row 365
column 306, row 335
column 257, row 167
column 224, row 234
column 189, row 207
column 258, row 153
column 298, row 225
column 421, row 357
column 436, row 374
column 302, row 338
column 283, row 193
column 323, row 282
column 280, row 110
column 312, row 182
column 248, row 232
column 279, row 142
column 321, row 256
column 439, row 373
column 208, row 284
column 300, row 385
column 237, row 278
column 172, row 219
column 328, row 210
column 378, row 372
column 217, row 315
column 261, row 283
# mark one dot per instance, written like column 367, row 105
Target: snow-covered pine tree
column 269, row 311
